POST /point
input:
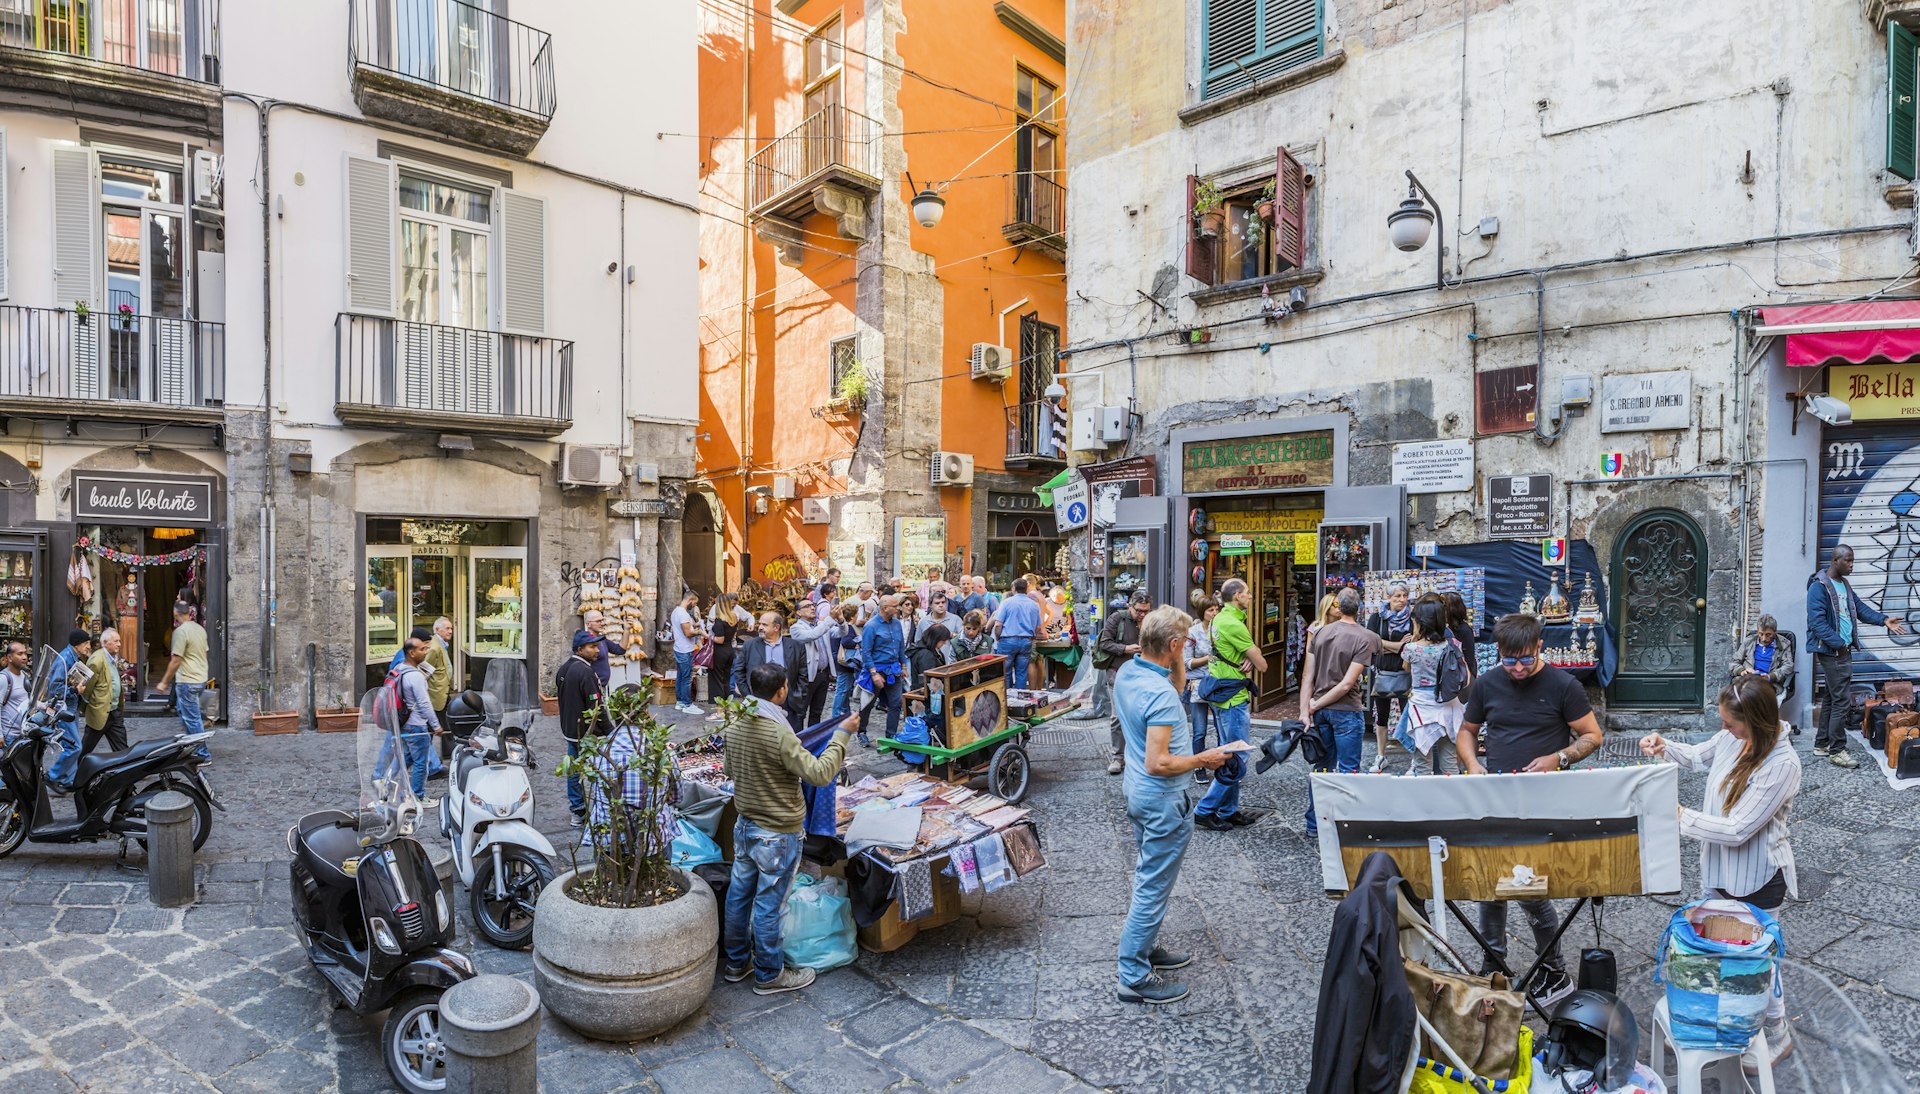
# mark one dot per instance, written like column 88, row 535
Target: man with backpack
column 16, row 691
column 415, row 702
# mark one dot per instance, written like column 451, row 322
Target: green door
column 1659, row 612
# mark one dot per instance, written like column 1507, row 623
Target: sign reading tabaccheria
column 1276, row 462
column 135, row 499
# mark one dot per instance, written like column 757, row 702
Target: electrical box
column 813, row 511
column 783, row 487
column 1116, row 424
column 1086, row 429
column 1576, row 391
column 646, row 472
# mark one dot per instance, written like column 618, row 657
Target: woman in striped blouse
column 1752, row 776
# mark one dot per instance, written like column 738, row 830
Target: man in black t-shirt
column 1538, row 719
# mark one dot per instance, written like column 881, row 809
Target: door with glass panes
column 446, row 350
column 144, row 331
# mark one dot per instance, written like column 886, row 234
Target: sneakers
column 1550, row 985
column 790, row 979
column 1843, row 758
column 1166, row 960
column 1203, row 777
column 1245, row 817
column 579, row 821
column 1779, row 1045
column 1116, row 765
column 1822, row 750
column 733, row 974
column 1212, row 823
column 1154, row 990
column 1379, row 764
column 688, row 708
column 865, row 741
column 58, row 790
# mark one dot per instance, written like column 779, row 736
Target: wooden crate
column 888, row 933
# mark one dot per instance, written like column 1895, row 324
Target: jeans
column 842, row 692
column 1837, row 668
column 1102, row 693
column 576, row 797
column 683, row 676
column 764, row 863
column 186, row 702
column 62, row 771
column 1017, row 651
column 1197, row 713
column 1540, row 916
column 888, row 697
column 1162, row 825
column 1223, row 799
column 1342, row 732
column 115, row 732
column 418, row 741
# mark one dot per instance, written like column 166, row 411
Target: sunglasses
column 1523, row 662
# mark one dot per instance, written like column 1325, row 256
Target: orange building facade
column 871, row 387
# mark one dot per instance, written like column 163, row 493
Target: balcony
column 102, row 59
column 829, row 163
column 393, row 374
column 452, row 68
column 1037, row 215
column 119, row 366
column 1030, row 445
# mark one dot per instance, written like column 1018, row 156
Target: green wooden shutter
column 1902, row 50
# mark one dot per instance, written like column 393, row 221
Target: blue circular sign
column 1076, row 512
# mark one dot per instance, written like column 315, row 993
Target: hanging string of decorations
column 192, row 555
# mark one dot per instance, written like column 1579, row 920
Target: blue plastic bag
column 913, row 731
column 692, row 847
column 1717, row 992
column 819, row 924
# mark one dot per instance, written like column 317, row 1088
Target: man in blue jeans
column 1160, row 765
column 1015, row 622
column 883, row 655
column 1236, row 658
column 1331, row 702
column 65, row 699
column 767, row 764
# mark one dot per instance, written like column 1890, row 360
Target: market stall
column 1504, row 577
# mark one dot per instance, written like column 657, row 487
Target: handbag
column 1900, row 727
column 1394, row 684
column 1908, row 766
column 703, row 657
column 1478, row 1017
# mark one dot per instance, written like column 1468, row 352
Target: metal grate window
column 1249, row 40
column 844, row 358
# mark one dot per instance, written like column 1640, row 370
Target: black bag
column 1396, row 684
column 1858, row 696
column 1876, row 727
column 1451, row 681
column 1909, row 766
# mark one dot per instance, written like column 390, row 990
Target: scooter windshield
column 507, row 684
column 387, row 801
column 43, row 672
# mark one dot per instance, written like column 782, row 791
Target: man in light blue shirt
column 1159, row 768
column 1015, row 622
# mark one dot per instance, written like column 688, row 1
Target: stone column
column 170, row 849
column 491, row 1024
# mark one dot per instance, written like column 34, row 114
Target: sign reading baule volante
column 141, row 499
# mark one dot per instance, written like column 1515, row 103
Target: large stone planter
column 622, row 974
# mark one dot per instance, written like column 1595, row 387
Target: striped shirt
column 1741, row 850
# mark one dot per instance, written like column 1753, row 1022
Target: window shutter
column 3, row 213
column 373, row 235
column 1903, row 50
column 1199, row 250
column 1233, row 31
column 523, row 263
column 1290, row 211
column 76, row 218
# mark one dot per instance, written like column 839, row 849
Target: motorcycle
column 375, row 920
column 502, row 859
column 110, row 790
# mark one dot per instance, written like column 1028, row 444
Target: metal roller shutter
column 1870, row 500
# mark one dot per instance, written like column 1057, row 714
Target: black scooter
column 110, row 790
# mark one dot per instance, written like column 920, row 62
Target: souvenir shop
column 474, row 572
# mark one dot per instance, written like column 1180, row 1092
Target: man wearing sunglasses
column 1538, row 719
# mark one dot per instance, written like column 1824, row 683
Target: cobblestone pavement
column 103, row 992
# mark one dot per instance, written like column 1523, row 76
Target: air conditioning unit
column 783, row 487
column 952, row 469
column 813, row 511
column 589, row 465
column 209, row 179
column 991, row 362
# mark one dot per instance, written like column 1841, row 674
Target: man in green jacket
column 767, row 764
column 440, row 679
column 101, row 700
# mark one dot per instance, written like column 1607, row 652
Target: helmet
column 1593, row 1031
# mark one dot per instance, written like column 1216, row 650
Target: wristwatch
column 1562, row 754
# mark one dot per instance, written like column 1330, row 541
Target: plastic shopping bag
column 692, row 847
column 1440, row 1077
column 913, row 731
column 819, row 924
column 1717, row 990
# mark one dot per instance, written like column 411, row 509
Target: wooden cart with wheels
column 971, row 733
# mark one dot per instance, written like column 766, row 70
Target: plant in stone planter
column 1265, row 206
column 1209, row 209
column 625, row 947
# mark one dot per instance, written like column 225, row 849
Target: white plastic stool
column 1691, row 1063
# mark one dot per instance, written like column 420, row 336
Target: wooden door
column 1659, row 610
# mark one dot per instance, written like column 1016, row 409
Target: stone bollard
column 170, row 849
column 490, row 1025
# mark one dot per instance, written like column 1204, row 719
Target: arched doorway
column 700, row 546
column 1659, row 611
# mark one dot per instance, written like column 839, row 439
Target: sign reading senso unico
column 1279, row 461
column 127, row 499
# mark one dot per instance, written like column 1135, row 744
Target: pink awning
column 1856, row 333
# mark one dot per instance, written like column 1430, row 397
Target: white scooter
column 502, row 859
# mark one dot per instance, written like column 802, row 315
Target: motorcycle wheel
column 416, row 1056
column 508, row 923
column 13, row 824
column 202, row 808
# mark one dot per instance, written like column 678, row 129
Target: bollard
column 490, row 1025
column 170, row 849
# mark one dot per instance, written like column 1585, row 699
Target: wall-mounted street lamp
column 1411, row 224
column 928, row 205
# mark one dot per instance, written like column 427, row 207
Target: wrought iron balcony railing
column 114, row 357
column 170, row 37
column 395, row 373
column 1030, row 434
column 830, row 144
column 1037, row 213
column 457, row 48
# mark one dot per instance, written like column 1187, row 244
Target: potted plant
column 81, row 311
column 1209, row 210
column 854, row 386
column 338, row 718
column 1265, row 206
column 549, row 701
column 273, row 723
column 126, row 317
column 626, row 947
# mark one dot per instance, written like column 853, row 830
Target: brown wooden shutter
column 1290, row 212
column 1199, row 250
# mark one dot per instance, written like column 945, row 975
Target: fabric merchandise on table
column 898, row 828
column 870, row 888
column 822, row 801
column 914, row 882
column 965, row 870
column 1023, row 849
column 990, row 853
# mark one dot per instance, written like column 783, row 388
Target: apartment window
column 1903, row 51
column 823, row 67
column 1036, row 151
column 143, row 236
column 446, row 231
column 1258, row 228
column 1249, row 40
column 1039, row 357
column 843, row 358
column 444, row 42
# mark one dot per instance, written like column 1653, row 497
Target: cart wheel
column 1007, row 772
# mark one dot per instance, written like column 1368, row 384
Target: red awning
column 1817, row 334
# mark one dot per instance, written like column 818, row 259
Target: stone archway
column 701, row 544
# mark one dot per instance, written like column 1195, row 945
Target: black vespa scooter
column 110, row 790
column 374, row 917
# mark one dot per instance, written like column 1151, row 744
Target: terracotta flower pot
column 1265, row 211
column 550, row 705
column 621, row 974
column 1212, row 223
column 337, row 719
column 272, row 723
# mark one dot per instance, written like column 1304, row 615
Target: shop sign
column 139, row 499
column 1141, row 470
column 1236, row 545
column 1306, row 548
column 1426, row 548
column 1275, row 520
column 1014, row 503
column 1646, row 400
column 1519, row 506
column 1877, row 393
column 1070, row 504
column 1433, row 467
column 1279, row 461
column 919, row 544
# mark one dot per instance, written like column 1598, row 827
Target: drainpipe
column 1009, row 310
column 1540, row 372
column 746, row 297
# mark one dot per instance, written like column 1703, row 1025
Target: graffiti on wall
column 781, row 568
column 574, row 575
column 1870, row 501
